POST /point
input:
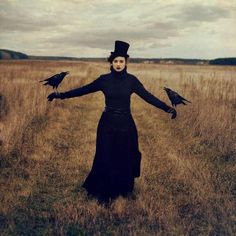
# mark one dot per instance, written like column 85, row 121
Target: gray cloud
column 90, row 27
column 141, row 39
column 101, row 38
column 24, row 23
column 203, row 13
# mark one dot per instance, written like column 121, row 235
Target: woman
column 117, row 158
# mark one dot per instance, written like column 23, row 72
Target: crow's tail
column 45, row 82
column 187, row 100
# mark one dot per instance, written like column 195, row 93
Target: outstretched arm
column 148, row 97
column 88, row 88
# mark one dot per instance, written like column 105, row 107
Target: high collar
column 118, row 74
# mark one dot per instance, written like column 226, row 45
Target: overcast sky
column 88, row 28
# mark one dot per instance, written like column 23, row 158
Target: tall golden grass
column 187, row 185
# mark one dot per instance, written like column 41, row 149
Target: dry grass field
column 187, row 185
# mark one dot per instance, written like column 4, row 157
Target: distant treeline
column 54, row 58
column 169, row 61
column 9, row 54
column 223, row 61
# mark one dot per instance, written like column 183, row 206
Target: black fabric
column 121, row 49
column 117, row 89
column 117, row 158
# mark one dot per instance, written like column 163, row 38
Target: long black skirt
column 117, row 158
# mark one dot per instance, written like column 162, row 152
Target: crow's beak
column 67, row 72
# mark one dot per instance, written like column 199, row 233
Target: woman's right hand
column 52, row 96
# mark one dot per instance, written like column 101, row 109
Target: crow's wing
column 184, row 99
column 179, row 96
column 177, row 101
column 55, row 80
column 50, row 78
column 172, row 96
column 176, row 97
column 54, row 77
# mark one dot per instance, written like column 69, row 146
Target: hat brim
column 119, row 54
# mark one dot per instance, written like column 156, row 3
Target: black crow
column 175, row 98
column 55, row 80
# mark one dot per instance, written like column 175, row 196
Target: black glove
column 173, row 112
column 52, row 96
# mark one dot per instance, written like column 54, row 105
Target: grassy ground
column 187, row 184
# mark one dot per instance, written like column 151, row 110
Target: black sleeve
column 148, row 97
column 88, row 88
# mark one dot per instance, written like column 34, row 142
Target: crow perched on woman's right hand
column 55, row 80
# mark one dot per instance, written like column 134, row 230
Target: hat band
column 124, row 54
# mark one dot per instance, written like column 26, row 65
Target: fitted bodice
column 117, row 89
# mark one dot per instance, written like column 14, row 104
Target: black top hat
column 121, row 49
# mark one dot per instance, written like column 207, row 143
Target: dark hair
column 113, row 56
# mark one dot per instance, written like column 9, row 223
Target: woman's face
column 119, row 63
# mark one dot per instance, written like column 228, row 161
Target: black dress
column 117, row 158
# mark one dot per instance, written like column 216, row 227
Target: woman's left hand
column 173, row 112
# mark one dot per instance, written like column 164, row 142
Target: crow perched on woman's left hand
column 55, row 80
column 175, row 98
